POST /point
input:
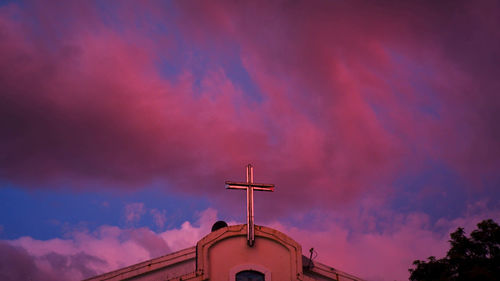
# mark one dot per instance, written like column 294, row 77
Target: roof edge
column 149, row 265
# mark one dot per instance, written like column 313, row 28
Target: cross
column 250, row 186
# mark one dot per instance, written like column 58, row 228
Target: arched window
column 250, row 275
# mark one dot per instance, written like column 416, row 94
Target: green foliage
column 470, row 258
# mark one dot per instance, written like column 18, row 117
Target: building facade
column 224, row 255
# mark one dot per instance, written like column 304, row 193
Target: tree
column 470, row 258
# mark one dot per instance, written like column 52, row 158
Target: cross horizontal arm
column 244, row 185
column 247, row 184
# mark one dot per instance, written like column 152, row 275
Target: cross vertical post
column 250, row 186
column 250, row 217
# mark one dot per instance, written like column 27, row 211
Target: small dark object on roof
column 218, row 225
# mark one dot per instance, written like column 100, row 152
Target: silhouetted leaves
column 470, row 258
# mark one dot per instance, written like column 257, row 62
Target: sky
column 120, row 121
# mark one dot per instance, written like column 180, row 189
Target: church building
column 244, row 252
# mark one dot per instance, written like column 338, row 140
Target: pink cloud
column 384, row 83
column 352, row 241
column 353, row 96
column 17, row 264
column 382, row 248
column 159, row 217
column 84, row 254
column 133, row 212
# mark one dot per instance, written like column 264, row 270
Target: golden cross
column 250, row 186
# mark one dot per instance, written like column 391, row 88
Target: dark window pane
column 250, row 275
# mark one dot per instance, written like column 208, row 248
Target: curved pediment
column 223, row 251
